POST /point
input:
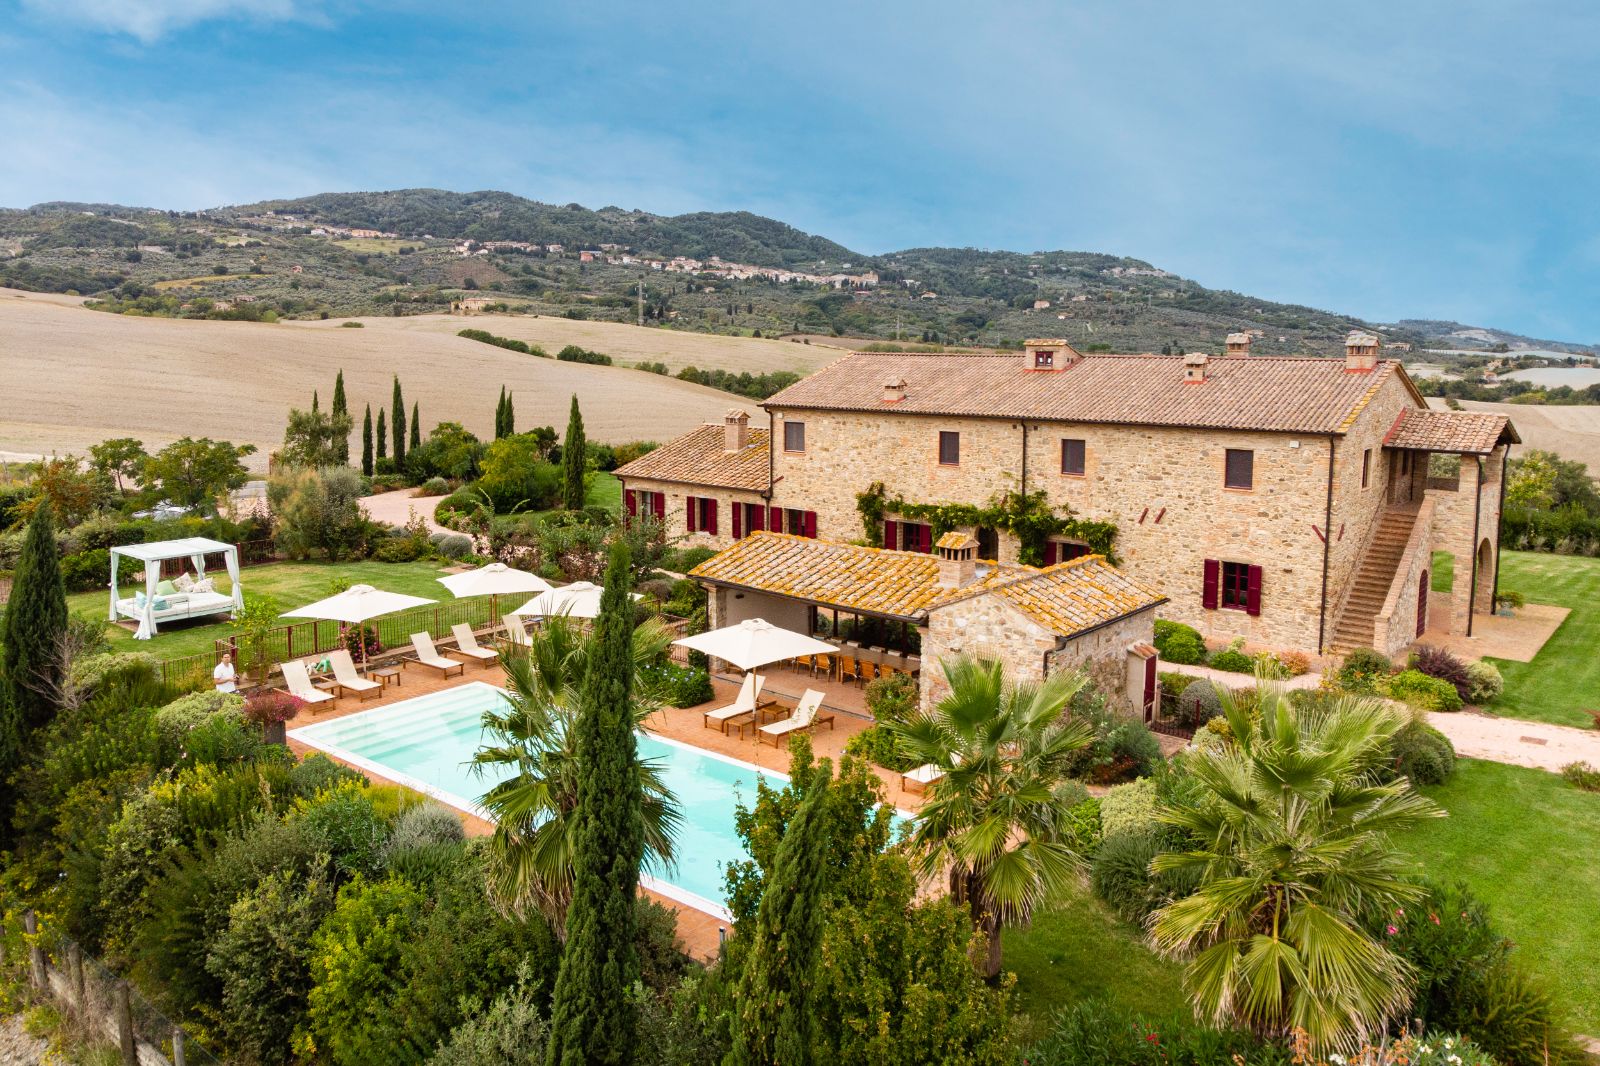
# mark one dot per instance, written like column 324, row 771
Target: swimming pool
column 427, row 743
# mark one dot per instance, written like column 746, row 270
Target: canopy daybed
column 156, row 605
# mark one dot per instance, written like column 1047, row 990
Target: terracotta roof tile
column 1275, row 393
column 1066, row 598
column 1463, row 432
column 698, row 458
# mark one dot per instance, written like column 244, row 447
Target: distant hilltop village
column 612, row 254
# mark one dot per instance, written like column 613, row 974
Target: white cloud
column 148, row 20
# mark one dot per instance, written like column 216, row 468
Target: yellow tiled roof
column 1463, row 432
column 956, row 539
column 1066, row 599
column 698, row 458
column 1273, row 393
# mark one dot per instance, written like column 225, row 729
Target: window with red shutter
column 660, row 501
column 775, row 519
column 1252, row 600
column 891, row 534
column 738, row 521
column 1208, row 588
column 1237, row 581
column 631, row 499
column 1049, row 553
column 810, row 524
column 691, row 512
column 755, row 520
column 710, row 523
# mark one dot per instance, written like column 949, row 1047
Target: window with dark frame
column 1241, row 469
column 1044, row 360
column 949, row 448
column 1072, row 452
column 794, row 436
column 1366, row 467
column 1234, row 590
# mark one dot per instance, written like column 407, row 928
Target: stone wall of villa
column 1473, row 506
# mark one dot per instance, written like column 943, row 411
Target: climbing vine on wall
column 1029, row 517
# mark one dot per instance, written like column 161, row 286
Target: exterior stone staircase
column 1373, row 579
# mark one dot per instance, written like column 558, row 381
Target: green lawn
column 1078, row 949
column 605, row 491
column 289, row 585
column 1525, row 841
column 1564, row 678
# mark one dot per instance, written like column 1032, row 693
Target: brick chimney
column 894, row 390
column 1194, row 367
column 958, row 560
column 1048, row 354
column 735, row 431
column 1238, row 344
column 1360, row 352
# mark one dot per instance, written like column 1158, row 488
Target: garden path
column 399, row 507
column 1515, row 741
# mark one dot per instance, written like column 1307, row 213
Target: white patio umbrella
column 355, row 605
column 581, row 599
column 755, row 642
column 494, row 581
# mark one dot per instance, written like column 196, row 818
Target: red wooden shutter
column 756, row 518
column 1252, row 602
column 738, row 520
column 811, row 524
column 690, row 506
column 660, row 500
column 891, row 531
column 1208, row 593
column 1050, row 553
column 775, row 519
column 711, row 517
column 925, row 539
column 632, row 500
column 1150, row 688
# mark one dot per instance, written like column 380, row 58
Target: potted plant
column 272, row 709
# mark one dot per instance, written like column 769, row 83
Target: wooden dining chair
column 822, row 664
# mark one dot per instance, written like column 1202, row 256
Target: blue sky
column 1391, row 159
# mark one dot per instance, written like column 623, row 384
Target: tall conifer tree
column 511, row 415
column 774, row 997
column 416, row 428
column 32, row 633
column 366, row 443
column 397, row 424
column 382, row 436
column 500, row 415
column 592, row 1015
column 574, row 455
column 341, row 447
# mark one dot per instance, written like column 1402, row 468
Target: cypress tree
column 416, row 429
column 774, row 998
column 341, row 447
column 500, row 415
column 382, row 437
column 511, row 415
column 31, row 634
column 574, row 452
column 397, row 424
column 591, row 1014
column 366, row 443
column 315, row 403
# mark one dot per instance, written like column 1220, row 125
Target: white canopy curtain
column 195, row 549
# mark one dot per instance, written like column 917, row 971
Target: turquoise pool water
column 427, row 743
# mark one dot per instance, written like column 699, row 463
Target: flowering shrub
column 1294, row 662
column 1430, row 1049
column 1436, row 662
column 272, row 705
column 353, row 637
column 1362, row 669
column 1484, row 682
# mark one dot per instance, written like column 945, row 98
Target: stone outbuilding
column 1081, row 614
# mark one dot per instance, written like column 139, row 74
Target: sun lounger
column 299, row 683
column 344, row 673
column 923, row 776
column 516, row 630
column 422, row 644
column 808, row 714
column 467, row 644
column 743, row 704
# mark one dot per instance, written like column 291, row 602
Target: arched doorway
column 1483, row 585
column 1422, row 604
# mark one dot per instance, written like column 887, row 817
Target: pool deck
column 697, row 930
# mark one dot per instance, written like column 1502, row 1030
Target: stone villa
column 1292, row 502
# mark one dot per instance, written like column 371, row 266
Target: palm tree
column 532, row 847
column 1291, row 851
column 995, row 823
